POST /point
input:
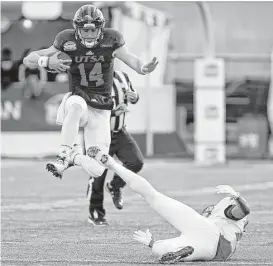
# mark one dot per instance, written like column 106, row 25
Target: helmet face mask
column 207, row 211
column 86, row 21
column 89, row 37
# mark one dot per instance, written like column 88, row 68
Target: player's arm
column 41, row 58
column 131, row 94
column 43, row 74
column 21, row 72
column 134, row 62
column 238, row 211
column 146, row 238
column 32, row 60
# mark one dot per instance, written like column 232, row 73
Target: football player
column 92, row 49
column 212, row 235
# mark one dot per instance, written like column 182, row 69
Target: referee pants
column 126, row 149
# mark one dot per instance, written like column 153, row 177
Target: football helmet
column 89, row 17
column 207, row 211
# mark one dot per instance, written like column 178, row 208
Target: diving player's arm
column 129, row 59
column 134, row 62
column 40, row 56
column 238, row 211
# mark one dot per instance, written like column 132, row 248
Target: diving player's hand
column 57, row 64
column 143, row 237
column 121, row 108
column 225, row 189
column 149, row 67
column 132, row 96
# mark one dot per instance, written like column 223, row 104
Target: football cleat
column 174, row 257
column 77, row 149
column 57, row 168
column 116, row 196
column 96, row 153
column 100, row 221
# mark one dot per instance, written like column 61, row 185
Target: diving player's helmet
column 89, row 17
column 207, row 211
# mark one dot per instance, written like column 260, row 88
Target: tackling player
column 214, row 235
column 92, row 48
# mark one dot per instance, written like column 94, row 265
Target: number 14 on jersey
column 94, row 75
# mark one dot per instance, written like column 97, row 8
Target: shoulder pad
column 66, row 34
column 113, row 38
column 63, row 37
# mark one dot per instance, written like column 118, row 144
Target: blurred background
column 163, row 120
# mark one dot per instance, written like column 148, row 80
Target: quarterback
column 92, row 49
column 212, row 235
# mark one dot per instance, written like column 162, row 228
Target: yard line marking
column 110, row 262
column 210, row 190
column 61, row 204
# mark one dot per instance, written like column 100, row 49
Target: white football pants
column 196, row 231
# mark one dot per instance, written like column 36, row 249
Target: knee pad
column 78, row 101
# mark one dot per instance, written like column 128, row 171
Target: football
column 63, row 56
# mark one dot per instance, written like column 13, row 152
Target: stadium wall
column 29, row 129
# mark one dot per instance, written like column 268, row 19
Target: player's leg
column 96, row 193
column 91, row 179
column 75, row 115
column 95, row 198
column 178, row 214
column 197, row 245
column 97, row 131
column 91, row 166
column 130, row 155
column 173, row 250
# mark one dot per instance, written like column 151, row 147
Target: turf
column 44, row 220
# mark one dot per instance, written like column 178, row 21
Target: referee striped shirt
column 121, row 84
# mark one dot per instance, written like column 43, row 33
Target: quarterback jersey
column 92, row 68
column 231, row 230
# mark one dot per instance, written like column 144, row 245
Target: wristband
column 141, row 70
column 43, row 61
column 151, row 243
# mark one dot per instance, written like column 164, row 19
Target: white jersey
column 231, row 230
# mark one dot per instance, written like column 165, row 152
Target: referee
column 122, row 145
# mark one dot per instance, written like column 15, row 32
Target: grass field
column 44, row 220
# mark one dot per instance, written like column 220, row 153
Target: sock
column 65, row 151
